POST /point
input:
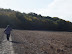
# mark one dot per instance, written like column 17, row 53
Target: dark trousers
column 8, row 35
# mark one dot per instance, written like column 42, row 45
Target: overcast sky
column 53, row 8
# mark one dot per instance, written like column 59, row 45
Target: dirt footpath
column 5, row 46
column 41, row 42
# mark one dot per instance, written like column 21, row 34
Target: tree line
column 18, row 20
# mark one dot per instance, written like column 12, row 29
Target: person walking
column 7, row 31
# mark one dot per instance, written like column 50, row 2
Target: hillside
column 32, row 21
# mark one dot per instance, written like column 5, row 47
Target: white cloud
column 58, row 8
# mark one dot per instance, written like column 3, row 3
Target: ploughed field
column 41, row 42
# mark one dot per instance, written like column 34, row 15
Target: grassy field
column 1, row 35
column 41, row 42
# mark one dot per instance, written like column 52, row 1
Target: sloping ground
column 41, row 42
column 5, row 46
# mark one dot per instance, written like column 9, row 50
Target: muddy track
column 5, row 46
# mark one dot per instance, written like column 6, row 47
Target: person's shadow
column 17, row 42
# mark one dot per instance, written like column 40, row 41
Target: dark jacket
column 8, row 30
